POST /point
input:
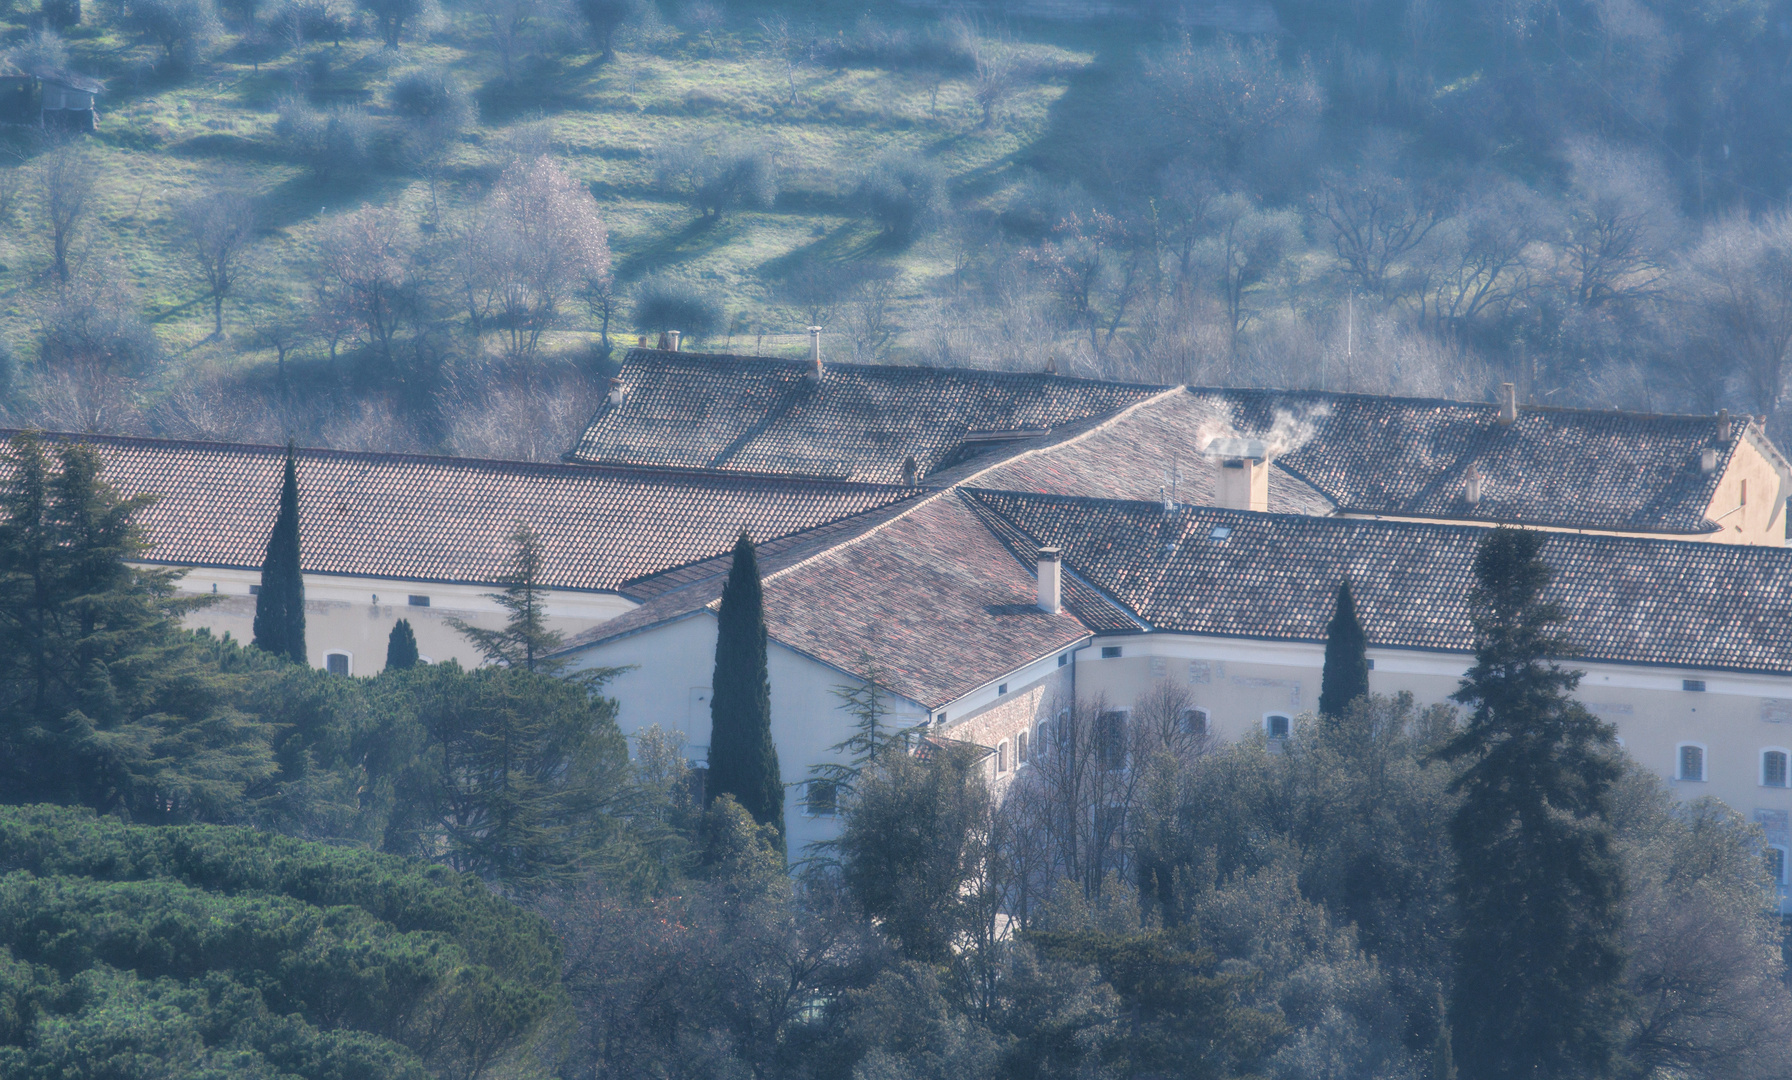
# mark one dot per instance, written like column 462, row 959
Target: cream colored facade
column 1732, row 719
column 352, row 616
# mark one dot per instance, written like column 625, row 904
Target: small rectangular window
column 1371, row 662
column 1692, row 763
column 821, row 798
column 1063, row 658
column 336, row 663
column 1020, row 749
column 1194, row 721
column 1776, row 864
column 1277, row 725
column 1773, row 768
column 255, row 590
column 1110, row 652
column 1002, row 689
column 1110, row 739
column 419, row 601
column 1695, row 685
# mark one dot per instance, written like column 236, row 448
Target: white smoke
column 1290, row 431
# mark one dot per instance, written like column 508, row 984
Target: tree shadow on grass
column 699, row 237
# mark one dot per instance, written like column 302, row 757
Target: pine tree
column 1538, row 885
column 105, row 700
column 525, row 642
column 280, row 607
column 401, row 647
column 743, row 761
column 1346, row 675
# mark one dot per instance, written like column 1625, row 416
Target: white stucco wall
column 1735, row 718
column 669, row 684
column 341, row 615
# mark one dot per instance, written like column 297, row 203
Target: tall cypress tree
column 401, row 647
column 743, row 761
column 1538, row 886
column 280, row 608
column 1346, row 675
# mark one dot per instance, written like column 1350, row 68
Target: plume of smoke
column 1291, row 429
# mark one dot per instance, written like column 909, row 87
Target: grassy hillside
column 165, row 137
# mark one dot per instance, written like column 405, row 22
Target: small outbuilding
column 51, row 97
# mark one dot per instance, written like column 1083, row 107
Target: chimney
column 1472, row 492
column 616, row 390
column 665, row 342
column 1051, row 580
column 815, row 352
column 1708, row 460
column 1051, row 363
column 909, row 471
column 1723, row 427
column 640, row 341
column 673, row 336
column 1508, row 404
column 1243, row 468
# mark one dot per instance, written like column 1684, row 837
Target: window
column 1110, row 652
column 1020, row 749
column 821, row 798
column 1194, row 721
column 1063, row 658
column 1110, row 739
column 336, row 663
column 1371, row 662
column 940, row 719
column 1692, row 762
column 1695, row 685
column 419, row 601
column 1002, row 689
column 1773, row 768
column 255, row 590
column 1001, row 757
column 1776, row 863
column 1277, row 725
column 1220, row 533
column 1039, row 743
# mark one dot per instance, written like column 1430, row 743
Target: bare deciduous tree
column 538, row 244
column 65, row 177
column 366, row 285
column 220, row 228
column 1375, row 220
column 1742, row 284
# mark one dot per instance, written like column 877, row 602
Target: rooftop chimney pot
column 1708, row 460
column 616, row 390
column 815, row 352
column 640, row 341
column 1051, row 580
column 1508, row 404
column 1473, row 490
column 1723, row 427
column 674, row 335
column 909, row 471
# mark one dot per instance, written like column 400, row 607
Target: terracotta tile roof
column 1272, row 576
column 1565, row 468
column 930, row 591
column 763, row 415
column 1134, row 457
column 450, row 519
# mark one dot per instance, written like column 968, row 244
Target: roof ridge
column 795, row 362
column 1357, row 395
column 511, row 465
column 1071, row 440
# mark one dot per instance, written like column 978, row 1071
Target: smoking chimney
column 1242, row 466
column 1051, row 580
column 1508, row 404
column 616, row 390
column 815, row 352
column 1472, row 491
column 674, row 335
column 909, row 471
